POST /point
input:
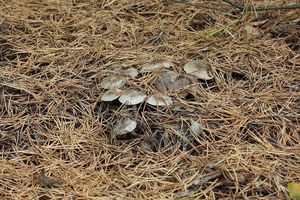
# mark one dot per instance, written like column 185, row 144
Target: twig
column 109, row 3
column 239, row 8
column 266, row 8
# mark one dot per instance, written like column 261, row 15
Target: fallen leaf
column 251, row 31
column 259, row 23
column 201, row 21
column 124, row 125
column 111, row 94
column 159, row 100
column 146, row 146
column 43, row 180
column 294, row 190
column 55, row 2
column 112, row 82
column 241, row 178
column 132, row 97
column 198, row 68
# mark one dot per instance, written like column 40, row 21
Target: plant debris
column 294, row 190
column 43, row 180
column 251, row 31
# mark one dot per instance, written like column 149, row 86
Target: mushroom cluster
column 166, row 81
column 155, row 83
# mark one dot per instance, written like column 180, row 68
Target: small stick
column 239, row 8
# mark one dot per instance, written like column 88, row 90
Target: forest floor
column 232, row 135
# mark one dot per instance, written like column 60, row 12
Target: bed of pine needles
column 55, row 135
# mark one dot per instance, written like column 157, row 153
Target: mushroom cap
column 156, row 64
column 132, row 72
column 159, row 100
column 132, row 97
column 112, row 82
column 111, row 94
column 124, row 125
column 198, row 68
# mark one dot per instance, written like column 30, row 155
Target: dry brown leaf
column 201, row 21
column 251, row 31
column 259, row 23
column 146, row 146
column 43, row 180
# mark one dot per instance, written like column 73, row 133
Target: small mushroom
column 124, row 125
column 180, row 82
column 165, row 81
column 198, row 68
column 132, row 97
column 111, row 94
column 154, row 65
column 112, row 82
column 132, row 72
column 159, row 100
